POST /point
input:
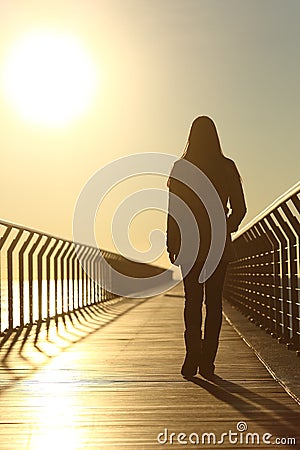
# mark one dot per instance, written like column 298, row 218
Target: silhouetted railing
column 41, row 276
column 264, row 279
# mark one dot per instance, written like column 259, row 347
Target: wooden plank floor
column 111, row 380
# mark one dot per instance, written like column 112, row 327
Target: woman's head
column 203, row 144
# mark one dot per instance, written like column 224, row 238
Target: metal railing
column 263, row 281
column 41, row 276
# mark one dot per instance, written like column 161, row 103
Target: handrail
column 264, row 279
column 275, row 204
column 33, row 230
column 41, row 276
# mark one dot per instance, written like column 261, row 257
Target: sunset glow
column 49, row 78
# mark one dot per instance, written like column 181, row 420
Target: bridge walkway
column 108, row 377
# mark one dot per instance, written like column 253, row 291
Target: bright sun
column 49, row 78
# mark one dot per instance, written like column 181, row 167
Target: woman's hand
column 172, row 257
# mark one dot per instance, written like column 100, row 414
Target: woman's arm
column 173, row 232
column 237, row 201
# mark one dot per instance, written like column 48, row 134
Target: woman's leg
column 213, row 320
column 193, row 321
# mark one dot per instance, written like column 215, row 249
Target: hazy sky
column 161, row 64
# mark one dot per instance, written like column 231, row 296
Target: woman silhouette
column 203, row 150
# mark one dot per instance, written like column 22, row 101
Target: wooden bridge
column 109, row 377
column 84, row 369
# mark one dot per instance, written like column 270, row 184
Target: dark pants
column 211, row 291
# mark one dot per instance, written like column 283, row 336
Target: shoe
column 189, row 367
column 207, row 371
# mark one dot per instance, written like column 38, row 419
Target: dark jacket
column 227, row 182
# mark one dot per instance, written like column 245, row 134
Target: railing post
column 48, row 277
column 98, row 276
column 2, row 242
column 75, row 270
column 81, row 259
column 93, row 278
column 70, row 277
column 63, row 260
column 10, row 279
column 55, row 258
column 40, row 278
column 88, row 279
column 21, row 275
column 30, row 275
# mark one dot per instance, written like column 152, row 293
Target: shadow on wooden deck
column 109, row 377
column 26, row 349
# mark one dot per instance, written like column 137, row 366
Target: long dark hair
column 203, row 147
